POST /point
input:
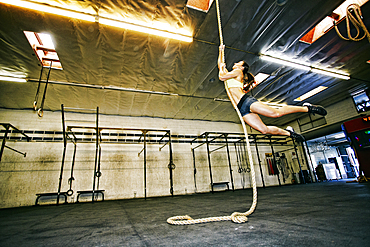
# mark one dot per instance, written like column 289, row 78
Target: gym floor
column 334, row 213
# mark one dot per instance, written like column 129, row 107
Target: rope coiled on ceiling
column 235, row 217
column 354, row 16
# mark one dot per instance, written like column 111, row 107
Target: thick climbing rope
column 235, row 217
column 356, row 21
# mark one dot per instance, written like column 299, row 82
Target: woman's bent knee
column 276, row 114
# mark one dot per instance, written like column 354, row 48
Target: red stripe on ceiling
column 308, row 38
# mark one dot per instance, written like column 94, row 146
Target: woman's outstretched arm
column 221, row 63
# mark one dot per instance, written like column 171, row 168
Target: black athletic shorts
column 245, row 103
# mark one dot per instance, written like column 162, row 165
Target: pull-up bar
column 7, row 127
column 109, row 132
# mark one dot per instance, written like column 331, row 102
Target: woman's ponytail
column 248, row 78
column 248, row 82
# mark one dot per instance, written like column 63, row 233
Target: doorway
column 333, row 157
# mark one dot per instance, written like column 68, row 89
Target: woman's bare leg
column 256, row 123
column 268, row 111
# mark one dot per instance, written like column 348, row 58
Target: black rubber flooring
column 320, row 214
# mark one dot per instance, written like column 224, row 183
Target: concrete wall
column 21, row 178
column 341, row 111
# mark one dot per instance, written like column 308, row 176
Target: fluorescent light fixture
column 285, row 62
column 301, row 66
column 328, row 73
column 155, row 28
column 311, row 93
column 50, row 9
column 143, row 29
column 12, row 79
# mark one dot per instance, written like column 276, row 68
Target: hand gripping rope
column 235, row 217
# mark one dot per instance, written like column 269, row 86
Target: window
column 202, row 5
column 43, row 46
column 361, row 100
column 311, row 121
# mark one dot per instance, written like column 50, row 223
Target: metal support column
column 313, row 169
column 96, row 153
column 63, row 156
column 229, row 160
column 305, row 157
column 299, row 163
column 172, row 165
column 259, row 161
column 209, row 163
column 4, row 140
column 144, row 133
column 239, row 161
column 274, row 159
column 195, row 170
column 98, row 172
column 71, row 179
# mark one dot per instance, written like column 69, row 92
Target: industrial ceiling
column 129, row 73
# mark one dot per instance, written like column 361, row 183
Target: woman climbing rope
column 240, row 82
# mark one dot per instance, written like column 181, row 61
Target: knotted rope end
column 239, row 218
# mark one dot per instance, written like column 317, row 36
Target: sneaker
column 294, row 135
column 315, row 109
